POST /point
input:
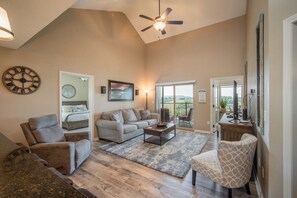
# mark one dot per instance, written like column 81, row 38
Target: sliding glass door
column 178, row 98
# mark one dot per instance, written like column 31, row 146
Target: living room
column 106, row 45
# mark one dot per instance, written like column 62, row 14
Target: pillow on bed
column 80, row 108
column 67, row 108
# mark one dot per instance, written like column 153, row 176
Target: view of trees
column 229, row 99
column 182, row 104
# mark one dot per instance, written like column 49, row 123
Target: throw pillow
column 129, row 115
column 137, row 113
column 145, row 114
column 117, row 116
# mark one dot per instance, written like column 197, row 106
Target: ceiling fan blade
column 163, row 31
column 174, row 22
column 146, row 17
column 147, row 28
column 166, row 13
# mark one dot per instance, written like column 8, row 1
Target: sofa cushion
column 117, row 116
column 145, row 114
column 152, row 121
column 46, row 129
column 129, row 115
column 43, row 121
column 82, row 151
column 49, row 135
column 137, row 112
column 140, row 124
column 128, row 128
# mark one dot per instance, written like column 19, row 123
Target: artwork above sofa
column 124, row 124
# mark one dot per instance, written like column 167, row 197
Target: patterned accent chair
column 230, row 165
column 63, row 151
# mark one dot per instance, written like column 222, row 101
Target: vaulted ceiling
column 28, row 17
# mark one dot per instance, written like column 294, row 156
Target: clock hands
column 22, row 80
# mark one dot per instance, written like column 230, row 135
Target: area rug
column 173, row 157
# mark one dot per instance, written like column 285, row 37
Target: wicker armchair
column 230, row 165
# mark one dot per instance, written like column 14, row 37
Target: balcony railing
column 181, row 108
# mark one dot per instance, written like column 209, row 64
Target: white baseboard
column 202, row 131
column 258, row 186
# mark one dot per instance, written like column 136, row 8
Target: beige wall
column 103, row 44
column 271, row 144
column 80, row 86
column 254, row 9
column 213, row 51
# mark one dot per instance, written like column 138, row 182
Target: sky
column 185, row 90
column 228, row 91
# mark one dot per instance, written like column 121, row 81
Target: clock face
column 21, row 80
column 68, row 91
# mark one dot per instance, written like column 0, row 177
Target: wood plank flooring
column 108, row 175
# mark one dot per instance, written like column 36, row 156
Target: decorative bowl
column 162, row 124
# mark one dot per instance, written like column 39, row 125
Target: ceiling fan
column 160, row 21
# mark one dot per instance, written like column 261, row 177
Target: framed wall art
column 68, row 91
column 120, row 91
column 260, row 74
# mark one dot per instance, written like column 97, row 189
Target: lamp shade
column 5, row 29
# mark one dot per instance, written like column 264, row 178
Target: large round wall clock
column 21, row 80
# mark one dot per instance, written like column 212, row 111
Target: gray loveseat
column 124, row 124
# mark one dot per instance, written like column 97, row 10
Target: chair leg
column 247, row 187
column 193, row 177
column 229, row 193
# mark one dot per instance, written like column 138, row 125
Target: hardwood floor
column 107, row 175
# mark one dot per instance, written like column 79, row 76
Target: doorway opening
column 178, row 99
column 76, row 102
column 222, row 93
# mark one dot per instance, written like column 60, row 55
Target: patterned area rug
column 173, row 157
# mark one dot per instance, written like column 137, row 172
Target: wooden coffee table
column 160, row 135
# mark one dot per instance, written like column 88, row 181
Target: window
column 227, row 94
column 178, row 98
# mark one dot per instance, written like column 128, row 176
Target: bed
column 75, row 115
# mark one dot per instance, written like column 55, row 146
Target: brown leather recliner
column 63, row 151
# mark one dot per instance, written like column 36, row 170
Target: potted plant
column 223, row 104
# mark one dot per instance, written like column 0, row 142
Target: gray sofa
column 124, row 124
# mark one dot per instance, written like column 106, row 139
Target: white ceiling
column 194, row 13
column 28, row 17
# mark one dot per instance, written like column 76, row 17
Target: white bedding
column 75, row 116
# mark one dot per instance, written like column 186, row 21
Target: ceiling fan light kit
column 160, row 21
column 160, row 25
column 5, row 29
